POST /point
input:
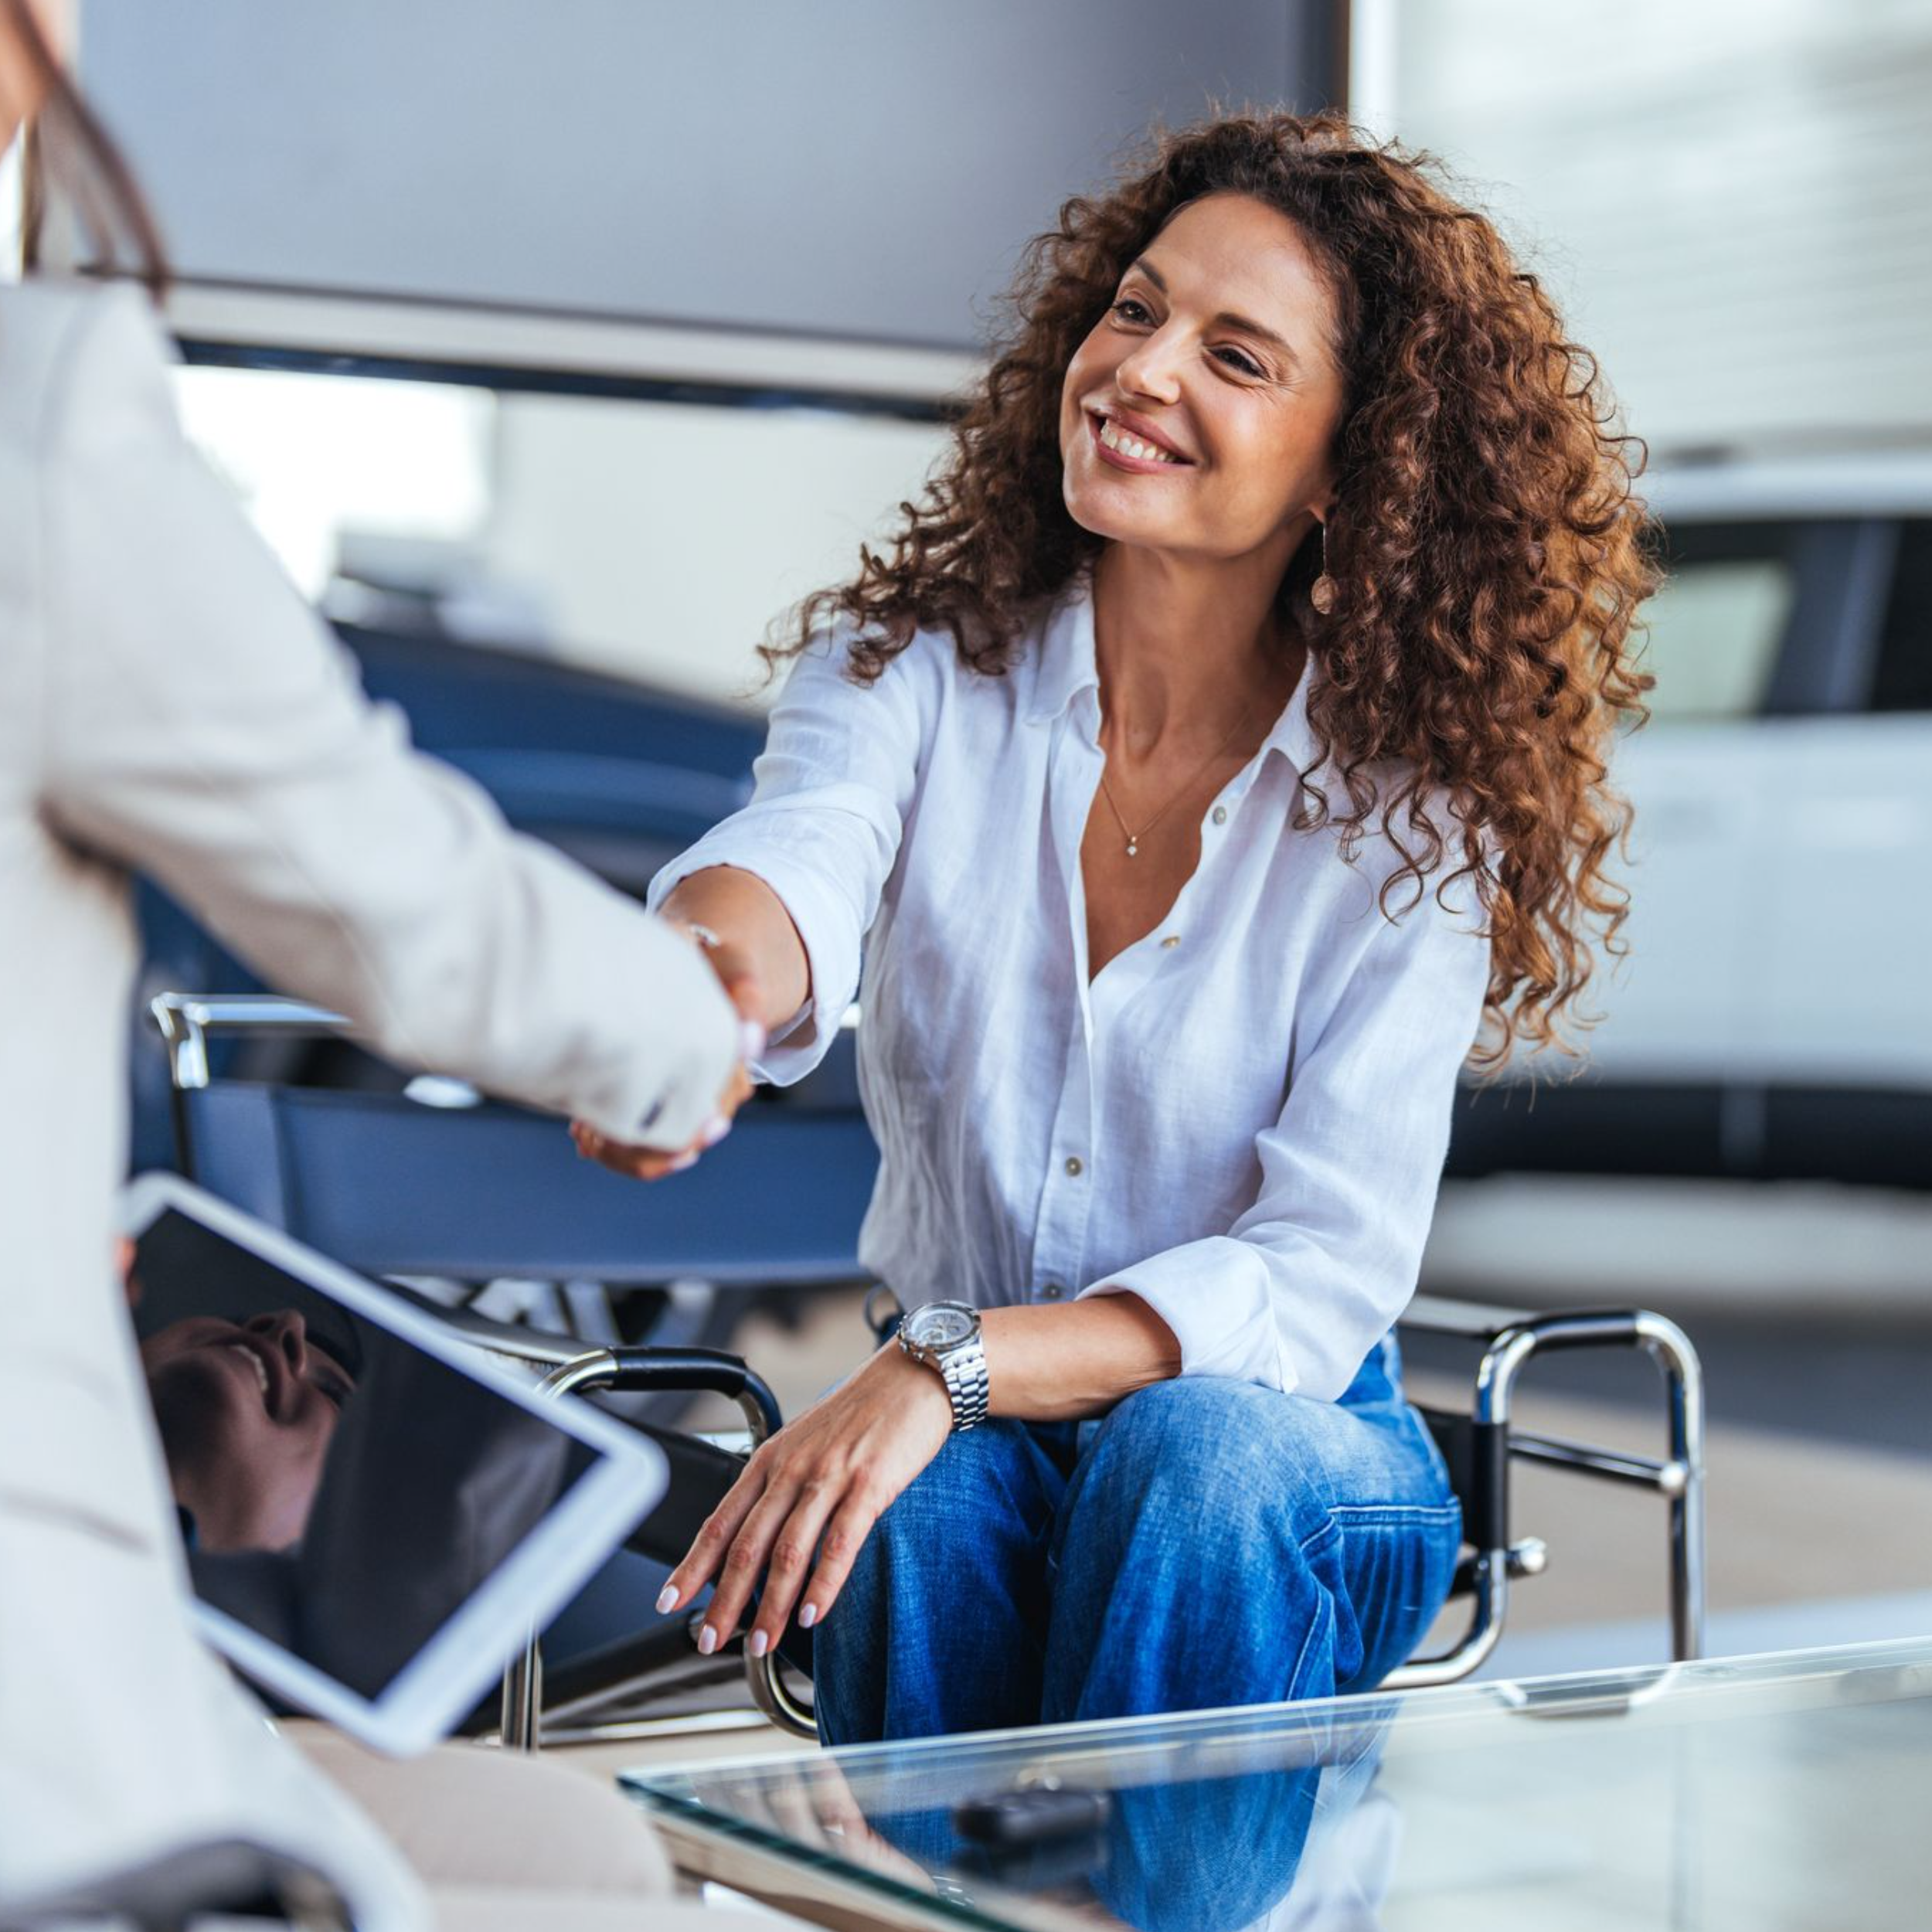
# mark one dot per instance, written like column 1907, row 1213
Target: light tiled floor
column 1791, row 1521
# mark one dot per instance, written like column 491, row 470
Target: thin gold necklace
column 1133, row 838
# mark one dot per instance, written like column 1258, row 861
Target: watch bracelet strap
column 963, row 1372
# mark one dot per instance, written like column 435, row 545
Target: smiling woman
column 1479, row 538
column 1218, row 745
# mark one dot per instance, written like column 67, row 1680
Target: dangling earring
column 1321, row 592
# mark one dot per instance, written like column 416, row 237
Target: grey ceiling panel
column 860, row 168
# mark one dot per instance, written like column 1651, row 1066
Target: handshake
column 738, row 977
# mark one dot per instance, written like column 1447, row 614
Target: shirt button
column 1220, row 814
column 1172, row 941
column 1073, row 1166
column 1051, row 1291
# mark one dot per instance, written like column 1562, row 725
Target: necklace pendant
column 1132, row 850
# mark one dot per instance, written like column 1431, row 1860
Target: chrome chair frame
column 1509, row 1339
column 187, row 1021
column 521, row 1726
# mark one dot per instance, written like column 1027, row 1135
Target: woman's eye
column 1235, row 358
column 1129, row 311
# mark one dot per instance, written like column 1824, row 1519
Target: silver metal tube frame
column 522, row 1722
column 1679, row 1478
column 187, row 1021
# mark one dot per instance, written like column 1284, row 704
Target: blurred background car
column 1771, row 1020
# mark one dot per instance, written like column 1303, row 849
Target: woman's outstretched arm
column 756, row 938
column 789, row 884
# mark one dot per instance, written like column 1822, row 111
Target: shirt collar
column 1065, row 666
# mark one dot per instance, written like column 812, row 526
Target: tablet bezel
column 425, row 1701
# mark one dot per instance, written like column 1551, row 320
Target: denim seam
column 1294, row 1690
column 1395, row 1513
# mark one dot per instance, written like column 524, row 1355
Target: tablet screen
column 344, row 1489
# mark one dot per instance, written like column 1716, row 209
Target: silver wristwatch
column 944, row 1336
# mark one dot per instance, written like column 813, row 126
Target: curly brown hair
column 1485, row 549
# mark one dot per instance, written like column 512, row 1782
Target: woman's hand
column 819, row 1484
column 640, row 1163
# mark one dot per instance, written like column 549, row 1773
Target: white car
column 1773, row 1020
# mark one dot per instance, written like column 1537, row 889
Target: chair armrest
column 710, row 1369
column 1473, row 1321
column 1535, row 1329
column 185, row 1021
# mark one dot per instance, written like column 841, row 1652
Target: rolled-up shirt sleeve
column 1310, row 1276
column 832, row 787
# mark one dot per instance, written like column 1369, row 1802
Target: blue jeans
column 1206, row 1543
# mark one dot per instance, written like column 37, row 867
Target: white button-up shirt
column 1242, row 1119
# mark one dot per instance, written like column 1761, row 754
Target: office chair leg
column 1679, row 1477
column 522, row 1719
column 1684, row 1384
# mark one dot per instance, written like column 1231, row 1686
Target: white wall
column 669, row 536
column 1730, row 196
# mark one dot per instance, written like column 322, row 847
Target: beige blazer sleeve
column 201, row 724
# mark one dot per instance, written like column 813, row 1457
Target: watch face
column 939, row 1328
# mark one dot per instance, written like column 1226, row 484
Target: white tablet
column 376, row 1513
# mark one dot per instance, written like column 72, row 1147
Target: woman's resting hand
column 819, row 1485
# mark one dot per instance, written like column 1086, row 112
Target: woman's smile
column 1127, row 444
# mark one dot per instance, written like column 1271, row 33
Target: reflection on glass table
column 1772, row 1794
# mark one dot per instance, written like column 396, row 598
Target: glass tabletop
column 1772, row 1794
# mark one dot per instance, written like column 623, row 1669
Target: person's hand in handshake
column 651, row 1163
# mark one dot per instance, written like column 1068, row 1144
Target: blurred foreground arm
column 201, row 724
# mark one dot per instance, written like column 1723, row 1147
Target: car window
column 1716, row 625
column 1904, row 680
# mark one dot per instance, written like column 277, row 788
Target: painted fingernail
column 707, row 1641
column 759, row 1643
column 682, row 1162
column 715, row 1130
column 808, row 1616
column 666, row 1599
column 754, row 1037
